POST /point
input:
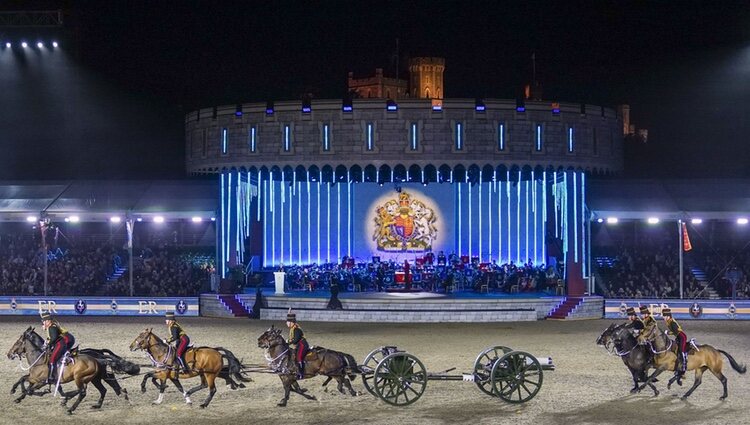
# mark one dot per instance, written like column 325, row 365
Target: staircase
column 117, row 274
column 233, row 305
column 562, row 311
column 700, row 276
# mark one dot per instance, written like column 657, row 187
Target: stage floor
column 402, row 296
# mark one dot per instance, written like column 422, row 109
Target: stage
column 392, row 307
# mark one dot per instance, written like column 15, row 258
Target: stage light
column 213, row 218
column 24, row 45
column 653, row 220
column 391, row 105
column 437, row 105
column 269, row 107
column 31, row 218
column 7, row 45
column 74, row 219
column 238, row 111
column 742, row 221
column 520, row 105
column 555, row 108
column 54, row 44
column 346, row 105
column 306, row 106
column 139, row 219
column 196, row 219
column 600, row 220
column 39, row 45
column 158, row 219
column 67, row 219
column 115, row 219
column 479, row 105
column 696, row 221
column 612, row 220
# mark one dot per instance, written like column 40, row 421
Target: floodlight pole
column 679, row 248
column 129, row 224
column 43, row 228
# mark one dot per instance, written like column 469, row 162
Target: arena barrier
column 97, row 306
column 682, row 309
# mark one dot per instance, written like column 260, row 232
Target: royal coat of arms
column 406, row 225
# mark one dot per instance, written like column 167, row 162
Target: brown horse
column 700, row 359
column 82, row 370
column 107, row 358
column 319, row 361
column 205, row 362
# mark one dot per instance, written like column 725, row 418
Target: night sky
column 112, row 103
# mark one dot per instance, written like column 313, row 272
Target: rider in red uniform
column 675, row 329
column 298, row 343
column 179, row 335
column 59, row 341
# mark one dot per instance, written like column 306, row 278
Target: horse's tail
column 108, row 358
column 234, row 365
column 740, row 368
column 352, row 369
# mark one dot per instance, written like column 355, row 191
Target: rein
column 20, row 362
column 651, row 346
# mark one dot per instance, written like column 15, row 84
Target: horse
column 82, row 370
column 230, row 372
column 205, row 362
column 319, row 361
column 107, row 357
column 701, row 358
column 620, row 340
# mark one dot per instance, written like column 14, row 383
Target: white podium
column 279, row 280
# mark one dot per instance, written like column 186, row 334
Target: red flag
column 686, row 246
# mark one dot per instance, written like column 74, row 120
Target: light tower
column 426, row 74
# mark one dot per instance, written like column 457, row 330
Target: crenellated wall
column 220, row 139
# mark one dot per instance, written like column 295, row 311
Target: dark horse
column 319, row 361
column 701, row 358
column 84, row 369
column 620, row 340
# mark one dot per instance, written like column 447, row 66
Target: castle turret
column 427, row 77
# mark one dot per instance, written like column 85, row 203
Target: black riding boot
column 51, row 373
column 300, row 370
column 183, row 365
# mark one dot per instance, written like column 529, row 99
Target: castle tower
column 426, row 76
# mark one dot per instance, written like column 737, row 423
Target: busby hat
column 666, row 312
column 630, row 311
column 169, row 315
column 46, row 316
column 291, row 317
column 645, row 310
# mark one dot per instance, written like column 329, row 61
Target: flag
column 686, row 246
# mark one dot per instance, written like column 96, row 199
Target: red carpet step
column 563, row 310
column 232, row 305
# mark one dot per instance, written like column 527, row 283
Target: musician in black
column 59, row 341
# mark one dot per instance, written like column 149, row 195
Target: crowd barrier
column 682, row 309
column 98, row 306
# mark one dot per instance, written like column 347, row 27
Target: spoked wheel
column 400, row 379
column 368, row 367
column 516, row 377
column 483, row 366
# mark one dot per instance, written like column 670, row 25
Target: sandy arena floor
column 588, row 387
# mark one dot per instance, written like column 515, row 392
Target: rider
column 634, row 322
column 59, row 341
column 674, row 328
column 297, row 343
column 178, row 334
column 648, row 321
